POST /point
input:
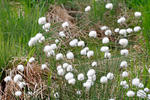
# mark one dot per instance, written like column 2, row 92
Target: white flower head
column 91, row 72
column 43, row 66
column 105, row 40
column 42, row 39
column 61, row 72
column 65, row 65
column 90, row 53
column 123, row 83
column 7, row 79
column 56, row 41
column 46, row 26
column 137, row 14
column 70, row 55
column 69, row 68
column 17, row 78
column 94, row 64
column 121, row 20
column 124, row 52
column 53, row 46
column 42, row 20
column 87, row 85
column 47, row 48
column 146, row 89
column 110, row 76
column 107, row 55
column 108, row 33
column 65, row 24
column 32, row 42
column 21, row 84
column 93, row 34
column 88, row 8
column 130, row 93
column 81, row 44
column 103, row 79
column 137, row 29
column 123, row 42
column 117, row 30
column 73, row 43
column 50, row 53
column 81, row 77
column 141, row 85
column 72, row 81
column 135, row 82
column 129, row 30
column 69, row 76
column 20, row 68
column 104, row 49
column 78, row 92
column 103, row 28
column 59, row 67
column 18, row 93
column 32, row 59
column 123, row 32
column 125, row 74
column 109, row 6
column 59, row 56
column 62, row 34
column 149, row 70
column 83, row 52
column 141, row 94
column 124, row 64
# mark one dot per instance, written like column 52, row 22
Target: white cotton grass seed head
column 141, row 94
column 81, row 77
column 135, row 82
column 105, row 40
column 7, row 79
column 137, row 29
column 124, row 74
column 141, row 85
column 104, row 49
column 81, row 44
column 116, row 30
column 47, row 48
column 109, row 6
column 31, row 60
column 73, row 43
column 94, row 64
column 121, row 20
column 56, row 41
column 50, row 53
column 123, row 42
column 129, row 30
column 42, row 39
column 18, row 93
column 62, row 34
column 91, row 72
column 124, row 52
column 103, row 80
column 107, row 55
column 93, row 34
column 111, row 99
column 123, row 32
column 69, row 68
column 137, row 14
column 65, row 65
column 53, row 46
column 146, row 89
column 123, row 83
column 72, row 81
column 130, row 93
column 61, row 72
column 124, row 64
column 59, row 67
column 90, row 53
column 44, row 66
column 46, row 27
column 70, row 55
column 78, row 92
column 88, row 8
column 149, row 70
column 65, row 24
column 83, row 52
column 20, row 68
column 69, row 76
column 17, row 78
column 42, row 20
column 87, row 85
column 103, row 28
column 21, row 84
column 110, row 76
column 108, row 32
column 59, row 56
column 32, row 42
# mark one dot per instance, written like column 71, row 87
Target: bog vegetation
column 75, row 50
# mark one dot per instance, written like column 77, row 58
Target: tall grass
column 18, row 23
